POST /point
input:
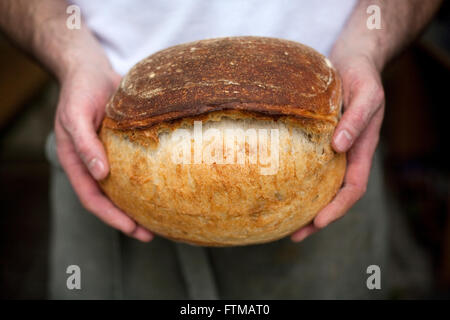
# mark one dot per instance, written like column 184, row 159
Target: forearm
column 401, row 22
column 39, row 27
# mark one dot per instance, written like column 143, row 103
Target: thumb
column 89, row 148
column 365, row 99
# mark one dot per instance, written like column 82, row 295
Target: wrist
column 370, row 50
column 76, row 64
column 65, row 51
column 85, row 56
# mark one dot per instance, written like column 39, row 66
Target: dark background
column 414, row 145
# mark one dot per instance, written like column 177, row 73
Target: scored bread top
column 255, row 74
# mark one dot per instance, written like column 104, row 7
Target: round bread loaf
column 225, row 141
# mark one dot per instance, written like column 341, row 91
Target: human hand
column 357, row 134
column 81, row 108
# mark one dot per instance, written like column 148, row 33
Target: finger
column 304, row 232
column 357, row 175
column 88, row 192
column 142, row 234
column 87, row 144
column 366, row 99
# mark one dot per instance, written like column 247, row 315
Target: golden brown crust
column 265, row 75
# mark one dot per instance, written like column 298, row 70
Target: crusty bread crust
column 241, row 82
column 265, row 75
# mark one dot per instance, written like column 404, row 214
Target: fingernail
column 343, row 140
column 146, row 237
column 299, row 237
column 96, row 168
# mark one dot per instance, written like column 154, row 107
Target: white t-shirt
column 131, row 30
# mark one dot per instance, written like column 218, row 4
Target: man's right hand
column 81, row 108
column 87, row 81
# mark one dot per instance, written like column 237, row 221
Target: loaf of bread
column 225, row 142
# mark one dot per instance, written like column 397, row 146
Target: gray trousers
column 331, row 264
